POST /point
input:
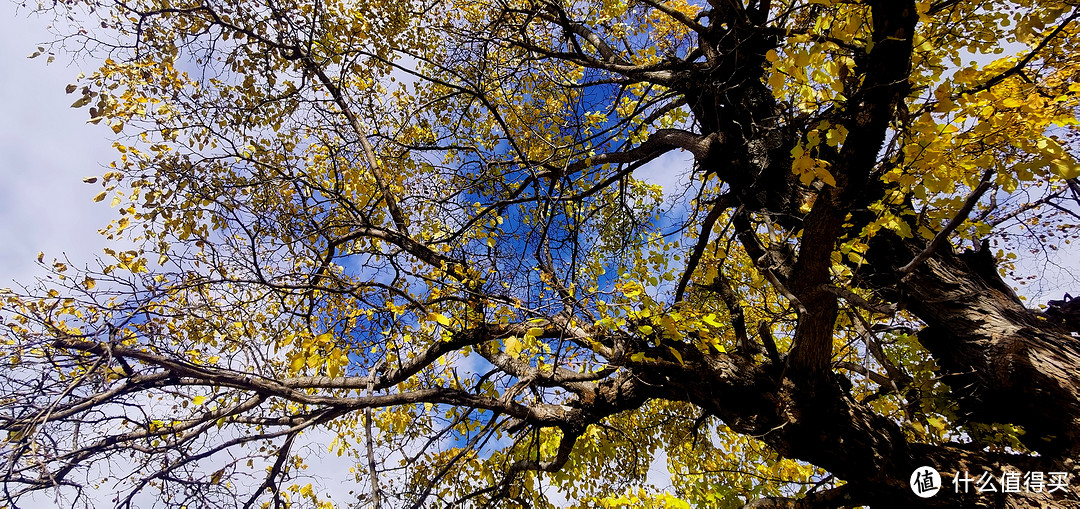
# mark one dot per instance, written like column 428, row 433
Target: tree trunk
column 1004, row 362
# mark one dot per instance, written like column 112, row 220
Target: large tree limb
column 1004, row 362
column 870, row 110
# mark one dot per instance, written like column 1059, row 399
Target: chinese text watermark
column 926, row 482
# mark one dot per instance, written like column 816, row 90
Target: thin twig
column 954, row 223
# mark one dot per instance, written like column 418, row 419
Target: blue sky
column 46, row 148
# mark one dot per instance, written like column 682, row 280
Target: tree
column 427, row 232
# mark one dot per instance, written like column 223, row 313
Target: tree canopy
column 517, row 253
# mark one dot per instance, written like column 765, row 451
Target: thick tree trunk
column 819, row 422
column 1004, row 362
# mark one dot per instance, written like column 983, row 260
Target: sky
column 46, row 149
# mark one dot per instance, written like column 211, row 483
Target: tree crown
column 435, row 233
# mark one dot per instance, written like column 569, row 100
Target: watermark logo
column 925, row 482
column 1011, row 482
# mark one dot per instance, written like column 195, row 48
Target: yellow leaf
column 439, row 317
column 198, row 400
column 632, row 289
column 825, row 176
column 1065, row 168
column 676, row 354
column 671, row 326
column 100, row 196
column 513, row 346
column 776, row 81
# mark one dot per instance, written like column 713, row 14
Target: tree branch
column 955, row 222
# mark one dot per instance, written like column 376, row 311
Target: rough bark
column 818, row 421
column 1004, row 362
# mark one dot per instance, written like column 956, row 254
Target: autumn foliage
column 522, row 253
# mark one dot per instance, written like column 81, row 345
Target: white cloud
column 46, row 148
